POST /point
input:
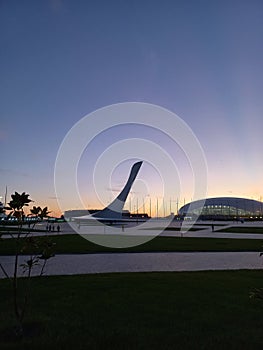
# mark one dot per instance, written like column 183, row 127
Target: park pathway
column 142, row 262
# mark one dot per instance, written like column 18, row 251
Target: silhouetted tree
column 30, row 244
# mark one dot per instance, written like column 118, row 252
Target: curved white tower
column 113, row 212
column 114, row 209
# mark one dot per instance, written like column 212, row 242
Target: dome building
column 223, row 208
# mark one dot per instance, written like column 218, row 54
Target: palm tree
column 35, row 211
column 18, row 202
column 43, row 213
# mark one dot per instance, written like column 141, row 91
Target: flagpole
column 5, row 195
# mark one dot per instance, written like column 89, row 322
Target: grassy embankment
column 75, row 244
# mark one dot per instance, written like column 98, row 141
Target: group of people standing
column 51, row 228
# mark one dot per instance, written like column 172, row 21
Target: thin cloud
column 118, row 190
column 113, row 189
column 13, row 172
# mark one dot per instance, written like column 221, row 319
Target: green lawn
column 189, row 310
column 238, row 229
column 65, row 244
column 15, row 230
column 192, row 229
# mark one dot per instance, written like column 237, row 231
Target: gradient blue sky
column 201, row 59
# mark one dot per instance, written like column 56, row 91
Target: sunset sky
column 200, row 59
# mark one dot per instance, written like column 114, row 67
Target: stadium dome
column 223, row 207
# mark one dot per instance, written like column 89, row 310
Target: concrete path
column 205, row 231
column 142, row 262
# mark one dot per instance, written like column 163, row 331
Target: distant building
column 68, row 214
column 2, row 210
column 223, row 208
column 127, row 214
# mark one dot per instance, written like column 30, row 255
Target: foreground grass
column 75, row 244
column 193, row 310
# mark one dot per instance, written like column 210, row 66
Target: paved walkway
column 205, row 231
column 142, row 262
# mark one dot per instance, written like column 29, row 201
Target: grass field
column 15, row 230
column 193, row 310
column 76, row 244
column 238, row 229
